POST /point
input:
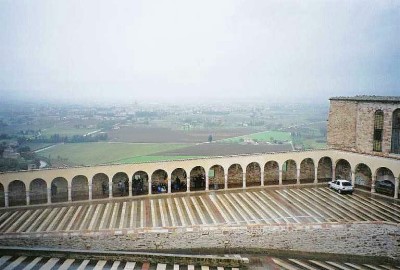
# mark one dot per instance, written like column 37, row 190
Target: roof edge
column 372, row 98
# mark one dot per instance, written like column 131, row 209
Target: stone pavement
column 253, row 206
column 45, row 263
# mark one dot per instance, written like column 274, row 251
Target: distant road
column 48, row 147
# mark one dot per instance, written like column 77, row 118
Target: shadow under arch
column 271, row 173
column 363, row 177
column 59, row 190
column 307, row 171
column 343, row 170
column 120, row 185
column 17, row 193
column 235, row 176
column 253, row 175
column 100, row 186
column 2, row 196
column 140, row 183
column 80, row 188
column 216, row 177
column 289, row 172
column 324, row 171
column 159, row 182
column 197, row 178
column 385, row 182
column 178, row 180
column 38, row 191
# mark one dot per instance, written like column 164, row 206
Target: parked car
column 341, row 186
column 384, row 186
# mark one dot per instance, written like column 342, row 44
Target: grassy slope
column 262, row 136
column 99, row 153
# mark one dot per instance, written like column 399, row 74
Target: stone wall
column 363, row 238
column 365, row 125
column 342, row 121
column 351, row 125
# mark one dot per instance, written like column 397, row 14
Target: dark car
column 384, row 186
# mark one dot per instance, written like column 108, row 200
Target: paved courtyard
column 314, row 204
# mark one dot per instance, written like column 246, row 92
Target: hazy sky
column 136, row 49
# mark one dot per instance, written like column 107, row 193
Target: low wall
column 381, row 239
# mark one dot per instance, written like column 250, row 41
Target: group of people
column 138, row 186
column 122, row 187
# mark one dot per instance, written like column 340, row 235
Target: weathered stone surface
column 362, row 238
column 351, row 123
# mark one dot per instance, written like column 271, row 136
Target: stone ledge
column 203, row 228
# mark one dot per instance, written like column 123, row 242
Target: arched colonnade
column 194, row 175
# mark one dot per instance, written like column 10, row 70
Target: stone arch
column 80, row 188
column 16, row 193
column 120, row 184
column 178, row 180
column 216, row 176
column 343, row 170
column 363, row 177
column 271, row 173
column 140, row 183
column 197, row 178
column 395, row 147
column 289, row 172
column 385, row 182
column 38, row 191
column 2, row 197
column 324, row 173
column 59, row 190
column 235, row 176
column 159, row 181
column 253, row 174
column 100, row 182
column 307, row 171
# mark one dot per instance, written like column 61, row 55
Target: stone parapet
column 381, row 239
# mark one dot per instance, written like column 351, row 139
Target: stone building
column 10, row 153
column 365, row 124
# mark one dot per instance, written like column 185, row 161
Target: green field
column 102, row 152
column 65, row 131
column 140, row 159
column 312, row 144
column 265, row 136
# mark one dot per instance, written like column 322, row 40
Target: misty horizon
column 265, row 51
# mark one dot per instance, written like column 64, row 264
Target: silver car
column 341, row 186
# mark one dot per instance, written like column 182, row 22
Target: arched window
column 378, row 131
column 396, row 132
